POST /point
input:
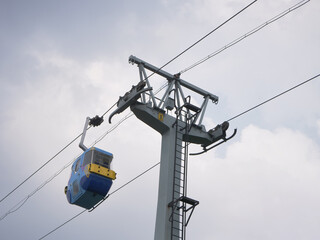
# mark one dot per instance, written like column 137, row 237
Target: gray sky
column 62, row 61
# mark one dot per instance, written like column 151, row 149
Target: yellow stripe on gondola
column 94, row 168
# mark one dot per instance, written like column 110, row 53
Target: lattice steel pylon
column 180, row 123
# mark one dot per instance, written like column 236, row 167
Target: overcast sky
column 62, row 61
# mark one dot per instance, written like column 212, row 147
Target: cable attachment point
column 96, row 121
column 177, row 75
column 217, row 133
column 130, row 98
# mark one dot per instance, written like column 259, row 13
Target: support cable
column 205, row 36
column 239, row 39
column 115, row 191
column 272, row 98
column 74, row 217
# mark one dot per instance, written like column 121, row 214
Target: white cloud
column 265, row 187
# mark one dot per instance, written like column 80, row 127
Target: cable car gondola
column 91, row 175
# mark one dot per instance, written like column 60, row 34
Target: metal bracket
column 129, row 98
column 185, row 200
column 224, row 139
column 81, row 144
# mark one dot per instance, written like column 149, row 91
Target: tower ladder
column 180, row 201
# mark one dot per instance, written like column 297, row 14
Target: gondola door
column 75, row 182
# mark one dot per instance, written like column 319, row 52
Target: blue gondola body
column 91, row 178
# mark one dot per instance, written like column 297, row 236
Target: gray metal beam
column 170, row 77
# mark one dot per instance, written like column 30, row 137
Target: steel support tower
column 180, row 123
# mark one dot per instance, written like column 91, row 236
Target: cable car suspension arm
column 95, row 121
column 205, row 149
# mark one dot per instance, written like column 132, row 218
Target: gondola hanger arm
column 95, row 121
column 205, row 149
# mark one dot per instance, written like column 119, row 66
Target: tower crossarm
column 170, row 77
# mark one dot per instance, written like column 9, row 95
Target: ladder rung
column 178, row 221
column 179, row 161
column 182, row 150
column 179, row 151
column 177, row 218
column 177, row 230
column 180, row 166
column 178, row 182
column 180, row 155
column 177, row 178
column 176, row 236
column 179, row 187
column 176, row 191
column 179, row 215
column 177, row 171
